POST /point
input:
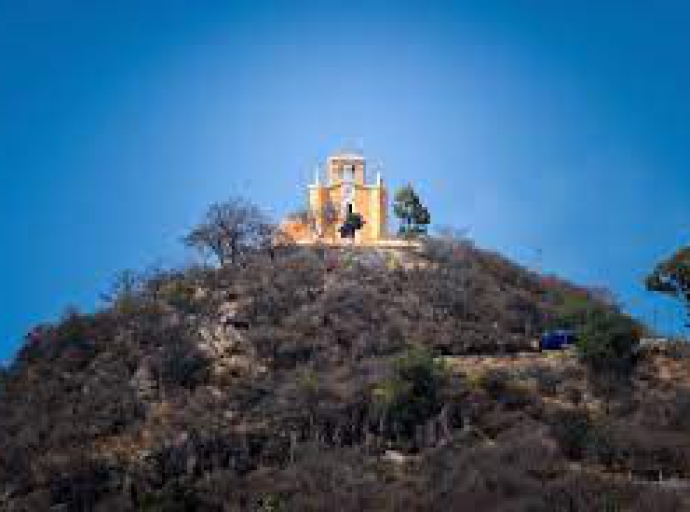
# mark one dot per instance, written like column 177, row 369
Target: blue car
column 557, row 340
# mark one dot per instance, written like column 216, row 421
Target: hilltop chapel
column 332, row 201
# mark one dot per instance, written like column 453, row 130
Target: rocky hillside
column 322, row 379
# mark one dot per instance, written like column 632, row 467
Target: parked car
column 557, row 340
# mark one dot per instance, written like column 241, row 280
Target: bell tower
column 343, row 187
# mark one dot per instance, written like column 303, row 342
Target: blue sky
column 552, row 128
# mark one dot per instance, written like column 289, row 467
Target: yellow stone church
column 344, row 190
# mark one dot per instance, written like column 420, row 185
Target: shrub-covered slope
column 324, row 379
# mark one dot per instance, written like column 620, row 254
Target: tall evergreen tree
column 414, row 216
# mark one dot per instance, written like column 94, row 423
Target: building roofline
column 346, row 156
column 370, row 186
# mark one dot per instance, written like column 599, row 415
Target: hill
column 338, row 379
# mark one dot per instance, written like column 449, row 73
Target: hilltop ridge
column 312, row 376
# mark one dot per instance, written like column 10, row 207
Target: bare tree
column 230, row 230
column 125, row 290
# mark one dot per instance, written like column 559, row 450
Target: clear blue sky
column 554, row 126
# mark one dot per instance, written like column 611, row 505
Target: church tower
column 346, row 190
column 342, row 187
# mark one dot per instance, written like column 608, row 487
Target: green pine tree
column 414, row 216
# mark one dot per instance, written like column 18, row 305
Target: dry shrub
column 581, row 492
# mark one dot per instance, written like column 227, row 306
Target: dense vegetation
column 329, row 379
